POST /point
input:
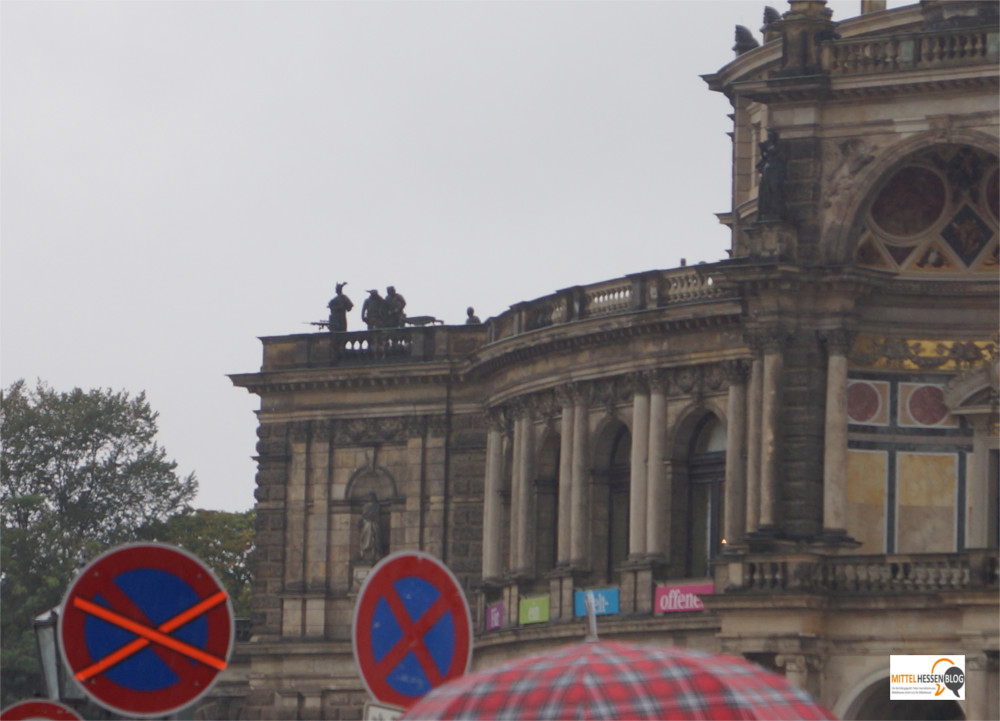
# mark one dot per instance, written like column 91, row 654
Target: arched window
column 547, row 505
column 706, row 471
column 610, row 501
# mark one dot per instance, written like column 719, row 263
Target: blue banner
column 605, row 602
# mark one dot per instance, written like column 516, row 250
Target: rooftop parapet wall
column 894, row 41
column 914, row 51
column 436, row 344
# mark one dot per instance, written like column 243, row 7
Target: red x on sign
column 412, row 628
column 145, row 629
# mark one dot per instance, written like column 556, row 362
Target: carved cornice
column 516, row 349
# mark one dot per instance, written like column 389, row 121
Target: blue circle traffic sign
column 412, row 628
column 146, row 629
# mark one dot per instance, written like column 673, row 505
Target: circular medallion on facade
column 863, row 402
column 910, row 203
column 926, row 405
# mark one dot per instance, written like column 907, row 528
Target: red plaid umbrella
column 611, row 680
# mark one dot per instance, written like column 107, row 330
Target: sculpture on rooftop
column 471, row 317
column 394, row 305
column 373, row 310
column 339, row 305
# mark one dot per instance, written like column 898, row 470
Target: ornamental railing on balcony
column 917, row 51
column 915, row 573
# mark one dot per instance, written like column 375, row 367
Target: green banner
column 533, row 610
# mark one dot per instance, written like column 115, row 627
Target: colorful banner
column 533, row 610
column 679, row 599
column 605, row 602
column 494, row 616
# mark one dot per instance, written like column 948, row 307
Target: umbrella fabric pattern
column 612, row 680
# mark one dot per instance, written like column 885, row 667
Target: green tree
column 79, row 472
column 222, row 540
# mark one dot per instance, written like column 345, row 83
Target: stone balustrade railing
column 642, row 291
column 915, row 573
column 911, row 52
column 633, row 293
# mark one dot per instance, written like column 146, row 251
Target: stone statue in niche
column 370, row 527
column 772, row 166
column 339, row 305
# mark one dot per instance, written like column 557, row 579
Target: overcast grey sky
column 181, row 178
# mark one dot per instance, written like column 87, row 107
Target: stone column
column 522, row 557
column 516, row 481
column 835, row 444
column 754, row 408
column 657, row 488
column 735, row 504
column 565, row 515
column 578, row 489
column 637, row 480
column 979, row 686
column 774, row 366
column 492, row 502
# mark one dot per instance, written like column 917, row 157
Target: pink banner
column 675, row 599
column 494, row 616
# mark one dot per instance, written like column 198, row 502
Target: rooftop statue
column 339, row 305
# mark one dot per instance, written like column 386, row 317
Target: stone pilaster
column 753, row 443
column 734, row 523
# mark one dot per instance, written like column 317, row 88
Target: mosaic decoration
column 905, row 354
column 936, row 215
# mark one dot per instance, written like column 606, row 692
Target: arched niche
column 698, row 471
column 546, row 505
column 609, row 498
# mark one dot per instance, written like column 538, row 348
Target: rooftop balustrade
column 634, row 293
column 916, row 51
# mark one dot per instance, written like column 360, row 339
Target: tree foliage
column 79, row 472
column 222, row 540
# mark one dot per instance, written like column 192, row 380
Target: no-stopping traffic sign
column 412, row 628
column 146, row 629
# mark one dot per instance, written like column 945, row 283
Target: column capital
column 767, row 339
column 736, row 372
column 637, row 383
column 837, row 340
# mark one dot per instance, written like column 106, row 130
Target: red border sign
column 38, row 709
column 145, row 629
column 391, row 630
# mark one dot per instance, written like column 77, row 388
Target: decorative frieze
column 913, row 354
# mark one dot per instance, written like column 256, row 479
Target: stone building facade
column 804, row 435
